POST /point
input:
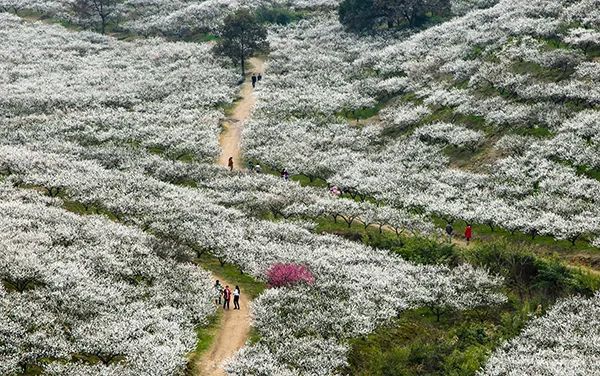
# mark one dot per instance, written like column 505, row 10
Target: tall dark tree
column 358, row 15
column 104, row 11
column 396, row 11
column 241, row 37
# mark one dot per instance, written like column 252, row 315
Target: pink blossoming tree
column 280, row 275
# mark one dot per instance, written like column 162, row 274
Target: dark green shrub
column 427, row 251
column 277, row 15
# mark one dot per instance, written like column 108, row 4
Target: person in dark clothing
column 449, row 232
column 259, row 77
column 226, row 297
column 253, row 79
column 230, row 163
column 236, row 298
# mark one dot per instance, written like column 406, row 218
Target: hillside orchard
column 109, row 194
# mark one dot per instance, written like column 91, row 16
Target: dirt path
column 235, row 324
column 233, row 332
column 232, row 134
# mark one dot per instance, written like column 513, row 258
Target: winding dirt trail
column 234, row 326
column 232, row 134
column 233, row 332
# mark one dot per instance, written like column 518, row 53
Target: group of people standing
column 226, row 294
column 251, row 167
column 450, row 232
column 285, row 175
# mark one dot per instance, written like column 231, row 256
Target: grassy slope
column 416, row 343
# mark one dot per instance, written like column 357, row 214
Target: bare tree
column 103, row 10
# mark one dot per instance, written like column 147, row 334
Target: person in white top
column 236, row 298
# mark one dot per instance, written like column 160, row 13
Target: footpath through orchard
column 234, row 328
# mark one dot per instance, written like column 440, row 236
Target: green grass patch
column 278, row 15
column 555, row 43
column 448, row 115
column 80, row 209
column 186, row 157
column 205, row 336
column 475, row 53
column 254, row 336
column 412, row 98
column 75, row 207
column 365, row 112
column 592, row 173
column 356, row 232
column 540, row 72
column 577, row 105
column 581, row 170
column 538, row 131
column 231, row 273
column 303, row 180
column 202, row 37
column 158, row 150
column 484, row 233
column 415, row 343
column 33, row 16
column 593, row 52
column 306, row 182
column 361, row 113
column 459, row 156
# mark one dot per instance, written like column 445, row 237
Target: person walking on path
column 468, row 233
column 449, row 232
column 226, row 297
column 253, row 80
column 230, row 163
column 236, row 298
column 335, row 191
column 218, row 292
column 285, row 174
column 259, row 77
column 257, row 169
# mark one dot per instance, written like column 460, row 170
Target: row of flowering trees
column 492, row 72
column 344, row 272
column 84, row 295
column 109, row 143
column 563, row 342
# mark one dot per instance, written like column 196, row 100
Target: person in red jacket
column 468, row 233
column 226, row 297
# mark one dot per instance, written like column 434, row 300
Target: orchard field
column 377, row 127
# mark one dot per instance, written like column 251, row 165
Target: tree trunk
column 348, row 221
column 573, row 239
column 243, row 67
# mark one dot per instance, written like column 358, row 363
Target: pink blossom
column 280, row 275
